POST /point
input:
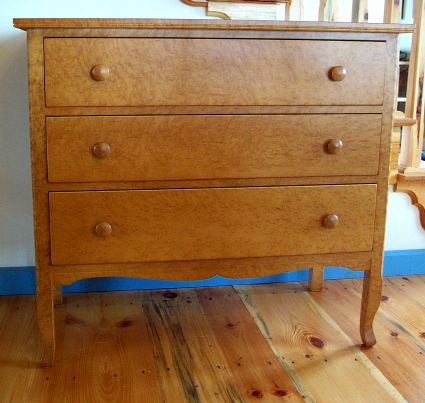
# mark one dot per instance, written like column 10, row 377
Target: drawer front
column 161, row 71
column 90, row 149
column 197, row 224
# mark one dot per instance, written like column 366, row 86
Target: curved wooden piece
column 245, row 10
column 371, row 299
column 201, row 270
column 240, row 9
column 204, row 3
column 218, row 14
column 414, row 186
column 196, row 3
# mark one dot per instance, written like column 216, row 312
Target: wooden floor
column 265, row 343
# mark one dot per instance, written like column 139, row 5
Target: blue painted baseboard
column 21, row 280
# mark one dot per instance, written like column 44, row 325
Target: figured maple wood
column 45, row 312
column 57, row 295
column 203, row 269
column 371, row 298
column 372, row 283
column 315, row 278
column 395, row 155
column 335, row 37
column 170, row 78
column 180, row 147
column 194, row 24
column 160, row 225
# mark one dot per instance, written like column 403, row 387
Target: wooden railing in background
column 410, row 178
column 412, row 137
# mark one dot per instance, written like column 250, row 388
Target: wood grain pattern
column 315, row 278
column 210, row 223
column 106, row 344
column 372, row 283
column 254, row 57
column 193, row 24
column 288, row 77
column 316, row 353
column 45, row 312
column 192, row 365
column 411, row 285
column 257, row 371
column 180, row 147
column 397, row 347
column 203, row 269
column 106, row 336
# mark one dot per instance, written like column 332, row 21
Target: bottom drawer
column 195, row 224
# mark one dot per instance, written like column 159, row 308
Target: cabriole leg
column 371, row 298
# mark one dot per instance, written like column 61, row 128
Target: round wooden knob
column 100, row 72
column 101, row 150
column 338, row 73
column 334, row 146
column 103, row 229
column 331, row 221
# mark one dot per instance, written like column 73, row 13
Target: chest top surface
column 208, row 24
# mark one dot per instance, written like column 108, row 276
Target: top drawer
column 170, row 71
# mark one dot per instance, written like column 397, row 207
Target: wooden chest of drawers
column 186, row 149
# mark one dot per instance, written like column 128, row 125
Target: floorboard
column 397, row 354
column 269, row 343
column 320, row 356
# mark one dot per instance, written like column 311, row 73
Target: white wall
column 16, row 240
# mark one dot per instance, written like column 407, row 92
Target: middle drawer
column 185, row 147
